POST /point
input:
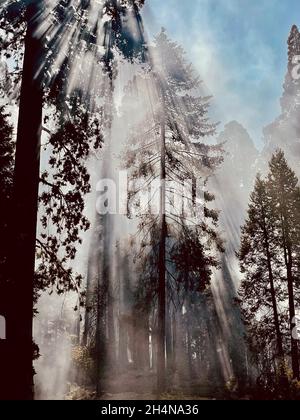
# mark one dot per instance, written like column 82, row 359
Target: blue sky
column 238, row 47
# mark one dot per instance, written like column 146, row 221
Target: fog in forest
column 102, row 336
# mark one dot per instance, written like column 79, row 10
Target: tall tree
column 260, row 290
column 25, row 194
column 292, row 84
column 33, row 16
column 285, row 194
column 269, row 257
column 284, row 131
column 172, row 150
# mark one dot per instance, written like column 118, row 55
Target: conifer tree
column 285, row 196
column 261, row 292
column 269, row 257
column 172, row 150
column 292, row 82
column 284, row 131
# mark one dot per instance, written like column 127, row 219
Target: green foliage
column 12, row 34
column 280, row 386
column 192, row 260
column 188, row 157
column 64, row 188
column 269, row 259
column 77, row 117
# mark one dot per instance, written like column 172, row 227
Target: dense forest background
column 144, row 251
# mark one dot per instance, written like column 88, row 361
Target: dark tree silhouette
column 261, row 292
column 6, row 179
column 269, row 258
column 31, row 15
column 285, row 194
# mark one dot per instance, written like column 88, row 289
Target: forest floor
column 133, row 386
column 128, row 396
column 131, row 396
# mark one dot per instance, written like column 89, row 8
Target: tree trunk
column 275, row 314
column 102, row 332
column 288, row 258
column 189, row 342
column 145, row 342
column 169, row 341
column 99, row 339
column 174, row 339
column 292, row 312
column 92, row 274
column 125, row 309
column 17, row 376
column 161, row 362
column 111, row 326
column 274, row 300
column 294, row 343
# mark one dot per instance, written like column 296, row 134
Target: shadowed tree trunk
column 169, row 341
column 141, row 356
column 288, row 258
column 161, row 362
column 17, row 376
column 94, row 257
column 189, row 341
column 273, row 295
column 294, row 343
